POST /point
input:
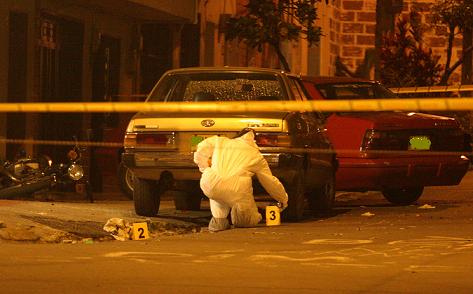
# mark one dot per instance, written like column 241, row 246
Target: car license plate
column 196, row 139
column 419, row 143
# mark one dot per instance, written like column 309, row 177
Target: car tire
column 189, row 197
column 403, row 196
column 321, row 200
column 146, row 197
column 296, row 199
column 125, row 179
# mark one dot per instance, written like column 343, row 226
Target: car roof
column 230, row 68
column 333, row 80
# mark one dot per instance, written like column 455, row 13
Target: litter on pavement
column 119, row 229
column 426, row 206
column 367, row 214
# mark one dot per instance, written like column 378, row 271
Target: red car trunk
column 397, row 153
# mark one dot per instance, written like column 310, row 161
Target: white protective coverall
column 227, row 181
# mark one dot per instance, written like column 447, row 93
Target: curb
column 71, row 221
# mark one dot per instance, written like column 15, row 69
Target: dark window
column 354, row 91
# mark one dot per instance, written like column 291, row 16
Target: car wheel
column 321, row 200
column 189, row 198
column 402, row 196
column 125, row 178
column 146, row 197
column 296, row 199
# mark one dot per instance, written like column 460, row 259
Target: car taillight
column 130, row 140
column 133, row 140
column 452, row 140
column 272, row 140
column 382, row 140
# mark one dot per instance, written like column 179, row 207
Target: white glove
column 282, row 206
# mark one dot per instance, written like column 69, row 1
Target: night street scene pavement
column 366, row 245
column 122, row 123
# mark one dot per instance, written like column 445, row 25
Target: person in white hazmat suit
column 227, row 167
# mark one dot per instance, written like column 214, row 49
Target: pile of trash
column 119, row 229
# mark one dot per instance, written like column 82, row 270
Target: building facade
column 83, row 50
column 115, row 50
column 349, row 32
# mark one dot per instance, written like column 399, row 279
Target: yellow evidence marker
column 140, row 231
column 273, row 216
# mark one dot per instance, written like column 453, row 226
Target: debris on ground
column 30, row 233
column 119, row 229
column 367, row 214
column 426, row 206
column 88, row 241
column 76, row 229
column 174, row 228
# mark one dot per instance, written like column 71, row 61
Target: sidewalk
column 69, row 222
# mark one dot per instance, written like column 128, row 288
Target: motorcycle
column 73, row 172
column 26, row 175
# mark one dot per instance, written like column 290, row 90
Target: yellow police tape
column 265, row 150
column 62, row 143
column 432, row 89
column 411, row 104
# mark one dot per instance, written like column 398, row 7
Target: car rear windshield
column 219, row 86
column 357, row 90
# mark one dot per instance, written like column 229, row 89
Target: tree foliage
column 404, row 60
column 271, row 22
column 456, row 15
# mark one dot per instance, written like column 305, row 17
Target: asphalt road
column 366, row 246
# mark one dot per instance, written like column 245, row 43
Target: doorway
column 105, row 126
column 17, row 52
column 190, row 45
column 156, row 57
column 61, row 60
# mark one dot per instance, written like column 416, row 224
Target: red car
column 394, row 152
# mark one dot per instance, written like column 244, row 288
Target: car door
column 321, row 157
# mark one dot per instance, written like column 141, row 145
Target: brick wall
column 436, row 38
column 349, row 30
column 357, row 19
column 358, row 22
column 335, row 37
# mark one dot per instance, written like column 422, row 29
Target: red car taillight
column 155, row 139
column 451, row 139
column 382, row 140
column 272, row 140
column 160, row 140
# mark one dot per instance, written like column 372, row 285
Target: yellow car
column 159, row 147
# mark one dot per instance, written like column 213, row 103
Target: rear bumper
column 150, row 165
column 375, row 174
